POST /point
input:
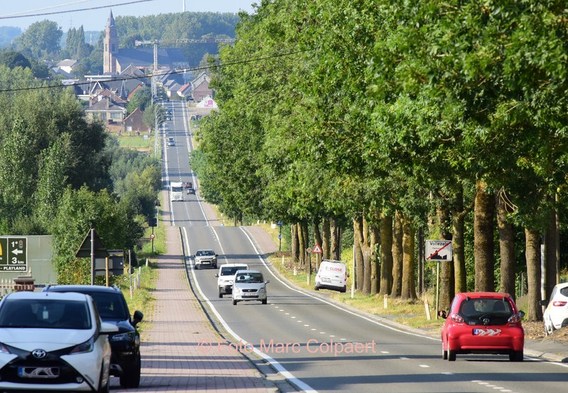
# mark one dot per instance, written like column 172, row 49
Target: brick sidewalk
column 180, row 350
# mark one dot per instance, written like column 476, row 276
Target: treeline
column 404, row 121
column 60, row 175
column 45, row 40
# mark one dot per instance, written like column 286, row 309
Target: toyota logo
column 39, row 353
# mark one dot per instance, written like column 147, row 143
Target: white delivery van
column 176, row 191
column 332, row 275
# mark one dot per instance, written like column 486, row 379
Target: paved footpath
column 176, row 344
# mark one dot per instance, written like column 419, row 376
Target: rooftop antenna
column 183, row 5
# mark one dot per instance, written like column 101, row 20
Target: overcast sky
column 93, row 14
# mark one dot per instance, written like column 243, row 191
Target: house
column 106, row 111
column 200, row 87
column 134, row 123
column 66, row 66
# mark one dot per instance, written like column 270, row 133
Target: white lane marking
column 263, row 261
column 277, row 366
column 423, row 366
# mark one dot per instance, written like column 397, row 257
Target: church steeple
column 110, row 46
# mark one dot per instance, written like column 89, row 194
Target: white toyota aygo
column 53, row 342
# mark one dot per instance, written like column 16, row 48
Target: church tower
column 110, row 47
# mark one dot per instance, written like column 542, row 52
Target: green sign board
column 13, row 254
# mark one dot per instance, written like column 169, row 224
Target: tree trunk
column 295, row 243
column 397, row 256
column 335, row 250
column 446, row 267
column 366, row 251
column 534, row 309
column 483, row 239
column 358, row 239
column 506, row 247
column 551, row 250
column 326, row 239
column 458, row 225
column 375, row 239
column 408, row 261
column 318, row 240
column 386, row 265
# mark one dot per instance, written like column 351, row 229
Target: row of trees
column 60, row 175
column 45, row 40
column 444, row 119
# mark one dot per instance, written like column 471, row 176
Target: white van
column 332, row 275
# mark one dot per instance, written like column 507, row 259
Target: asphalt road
column 318, row 345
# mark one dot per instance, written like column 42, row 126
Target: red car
column 483, row 322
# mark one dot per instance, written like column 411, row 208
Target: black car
column 125, row 359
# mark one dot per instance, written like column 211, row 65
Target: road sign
column 13, row 254
column 317, row 249
column 439, row 250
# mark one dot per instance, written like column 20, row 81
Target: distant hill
column 7, row 35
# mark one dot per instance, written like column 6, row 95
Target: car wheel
column 196, row 267
column 317, row 288
column 548, row 328
column 344, row 289
column 444, row 354
column 451, row 355
column 264, row 301
column 516, row 356
column 130, row 377
column 234, row 302
column 220, row 294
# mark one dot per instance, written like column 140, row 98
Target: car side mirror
column 442, row 314
column 543, row 303
column 267, row 282
column 137, row 317
column 216, row 274
column 521, row 314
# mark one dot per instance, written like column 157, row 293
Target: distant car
column 226, row 275
column 205, row 257
column 483, row 322
column 126, row 361
column 556, row 313
column 249, row 285
column 53, row 342
column 171, row 141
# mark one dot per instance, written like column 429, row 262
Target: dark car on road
column 125, row 344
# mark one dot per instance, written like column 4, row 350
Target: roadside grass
column 411, row 313
column 136, row 142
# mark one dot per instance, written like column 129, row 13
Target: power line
column 125, row 78
column 75, row 10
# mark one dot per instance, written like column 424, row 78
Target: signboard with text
column 13, row 254
column 439, row 250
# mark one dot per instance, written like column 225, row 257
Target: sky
column 93, row 14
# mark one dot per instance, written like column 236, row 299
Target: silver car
column 249, row 285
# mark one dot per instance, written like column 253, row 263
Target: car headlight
column 4, row 348
column 84, row 347
column 130, row 336
column 236, row 290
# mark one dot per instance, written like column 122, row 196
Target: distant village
column 127, row 70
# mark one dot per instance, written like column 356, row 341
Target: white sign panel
column 439, row 250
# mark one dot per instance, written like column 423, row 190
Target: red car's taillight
column 558, row 303
column 456, row 318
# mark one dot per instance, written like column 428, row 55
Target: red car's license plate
column 486, row 332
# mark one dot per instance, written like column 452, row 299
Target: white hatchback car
column 53, row 342
column 226, row 275
column 556, row 313
column 249, row 285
